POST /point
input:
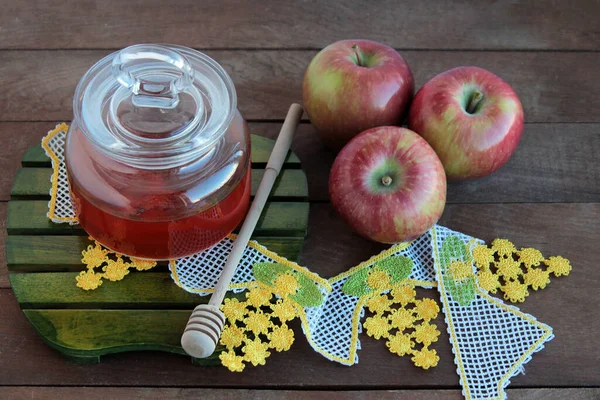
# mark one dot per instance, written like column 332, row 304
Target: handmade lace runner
column 491, row 341
column 60, row 207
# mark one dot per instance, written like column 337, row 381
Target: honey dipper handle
column 204, row 328
column 280, row 150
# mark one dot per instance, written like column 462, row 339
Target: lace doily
column 491, row 341
column 60, row 207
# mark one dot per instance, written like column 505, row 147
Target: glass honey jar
column 158, row 156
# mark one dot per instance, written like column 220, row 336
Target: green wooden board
column 139, row 290
column 144, row 311
column 86, row 335
column 29, row 218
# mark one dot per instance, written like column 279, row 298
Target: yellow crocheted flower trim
column 405, row 323
column 460, row 271
column 256, row 326
column 396, row 313
column 113, row 268
column 502, row 266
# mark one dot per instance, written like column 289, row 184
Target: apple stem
column 357, row 52
column 476, row 98
column 386, row 180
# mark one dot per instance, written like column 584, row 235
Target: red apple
column 471, row 118
column 354, row 85
column 388, row 184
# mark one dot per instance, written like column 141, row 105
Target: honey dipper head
column 203, row 331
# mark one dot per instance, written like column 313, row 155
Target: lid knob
column 155, row 74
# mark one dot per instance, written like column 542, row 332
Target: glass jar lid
column 155, row 106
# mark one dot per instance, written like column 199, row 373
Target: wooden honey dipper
column 206, row 323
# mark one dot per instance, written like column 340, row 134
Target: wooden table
column 547, row 196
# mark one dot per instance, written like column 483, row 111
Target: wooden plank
column 153, row 393
column 3, row 270
column 94, row 333
column 332, row 247
column 29, row 218
column 22, row 142
column 571, row 358
column 553, row 163
column 17, row 138
column 261, row 150
column 431, row 25
column 149, row 290
column 554, row 229
column 63, row 253
column 20, row 342
column 268, row 81
column 34, row 183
